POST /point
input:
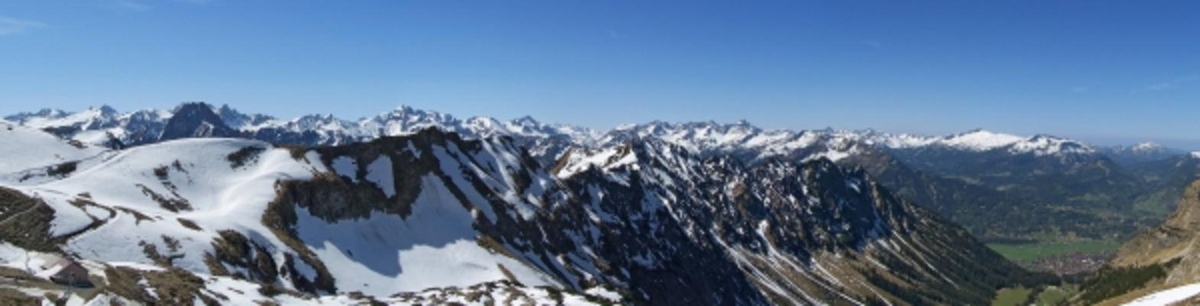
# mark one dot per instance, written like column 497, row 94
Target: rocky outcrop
column 195, row 120
column 1162, row 257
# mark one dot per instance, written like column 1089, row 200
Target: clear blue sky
column 1099, row 70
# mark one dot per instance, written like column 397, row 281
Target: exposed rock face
column 195, row 120
column 804, row 232
column 1163, row 257
column 1176, row 238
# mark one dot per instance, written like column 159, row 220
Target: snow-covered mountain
column 434, row 217
column 982, row 140
column 98, row 125
column 755, row 144
column 1141, row 153
column 104, row 126
column 775, row 221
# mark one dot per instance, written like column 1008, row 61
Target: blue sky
column 1099, row 70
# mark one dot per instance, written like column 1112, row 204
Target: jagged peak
column 46, row 112
column 636, row 152
column 196, row 105
column 404, row 108
column 317, row 118
column 406, row 112
column 104, row 109
column 526, row 120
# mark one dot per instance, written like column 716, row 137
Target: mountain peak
column 104, row 109
column 195, row 119
column 527, row 120
column 407, row 109
column 194, row 105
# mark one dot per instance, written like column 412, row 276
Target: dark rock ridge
column 195, row 120
column 666, row 227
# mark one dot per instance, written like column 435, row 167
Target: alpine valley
column 207, row 205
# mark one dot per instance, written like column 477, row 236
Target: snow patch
column 24, row 148
column 980, row 140
column 347, row 167
column 380, row 173
column 435, row 246
column 1168, row 296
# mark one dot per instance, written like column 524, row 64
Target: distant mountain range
column 104, row 126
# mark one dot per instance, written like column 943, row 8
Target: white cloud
column 1169, row 84
column 132, row 5
column 12, row 26
column 1159, row 86
column 145, row 5
column 874, row 44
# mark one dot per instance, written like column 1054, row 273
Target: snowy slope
column 175, row 202
column 225, row 290
column 187, row 179
column 434, row 247
column 1167, row 297
column 26, row 148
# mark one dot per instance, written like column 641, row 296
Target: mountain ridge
column 662, row 228
column 995, row 169
column 406, row 119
